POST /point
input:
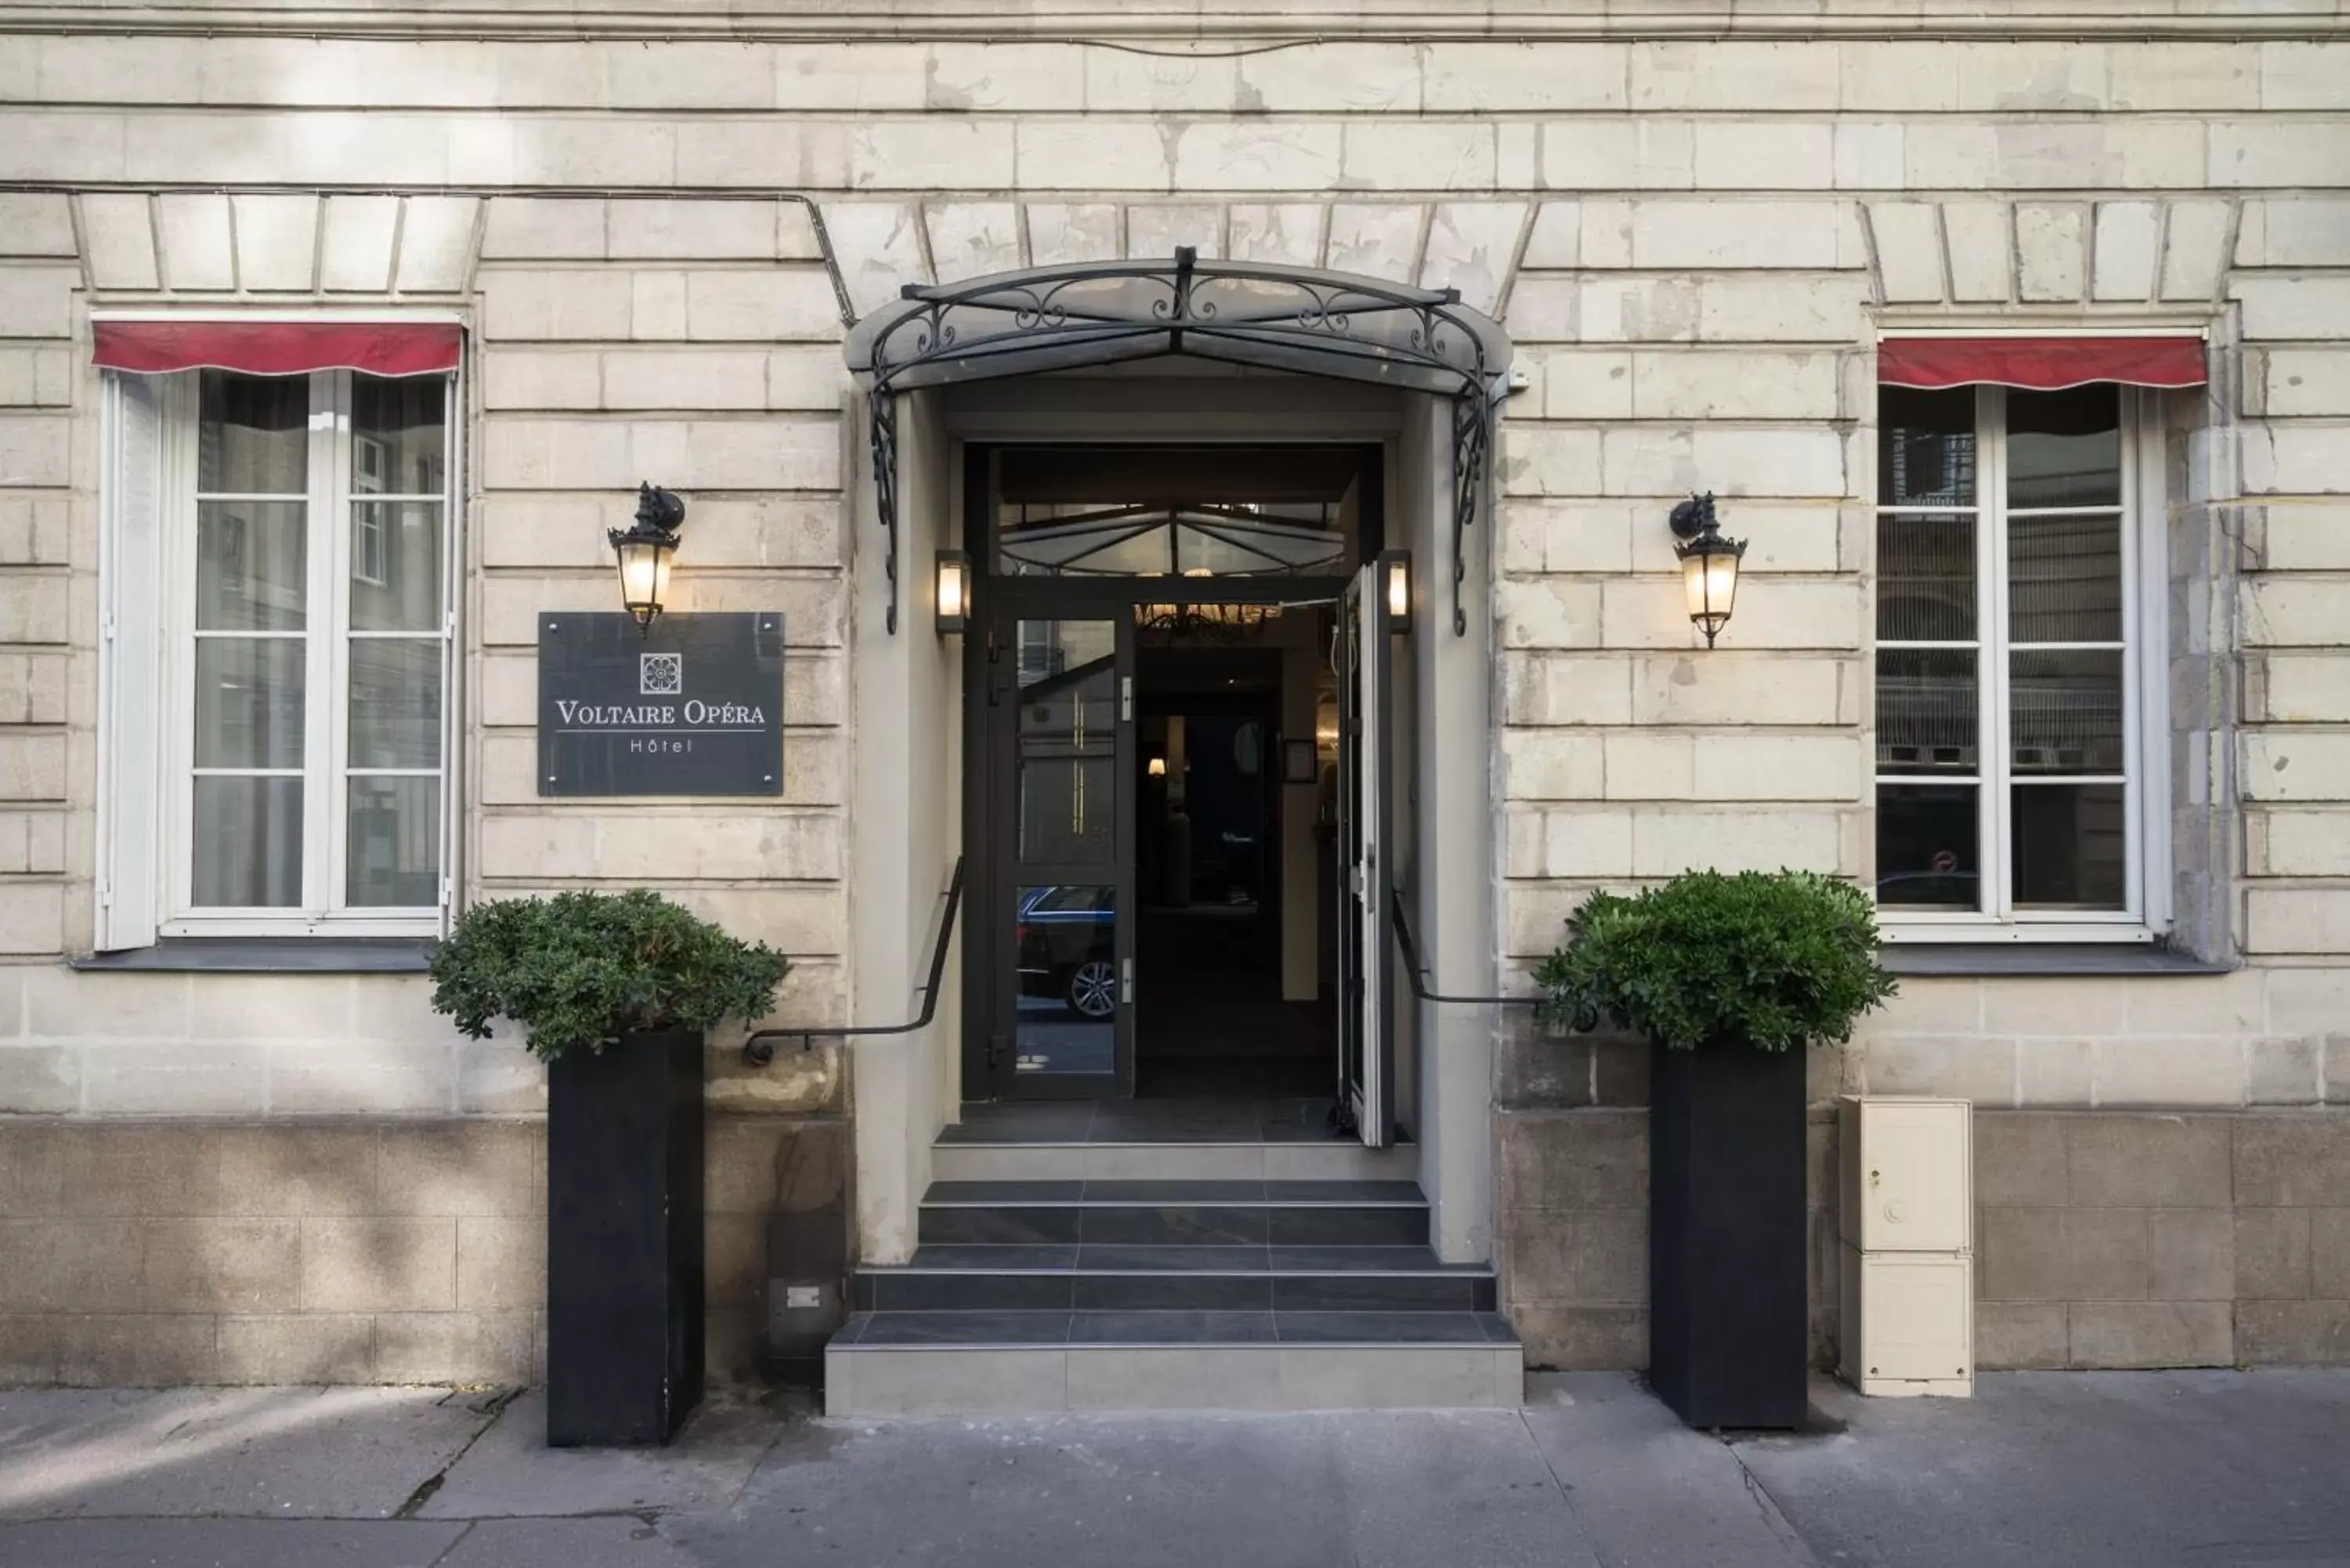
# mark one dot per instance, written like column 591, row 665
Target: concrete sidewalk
column 2190, row 1468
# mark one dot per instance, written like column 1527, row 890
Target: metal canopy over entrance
column 1249, row 313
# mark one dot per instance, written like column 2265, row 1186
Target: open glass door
column 1061, row 694
column 1366, row 1050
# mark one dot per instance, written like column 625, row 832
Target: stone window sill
column 2041, row 958
column 265, row 955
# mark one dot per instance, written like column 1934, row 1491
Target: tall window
column 307, row 599
column 2015, row 647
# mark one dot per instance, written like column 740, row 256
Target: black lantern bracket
column 1693, row 517
column 660, row 515
column 1312, row 322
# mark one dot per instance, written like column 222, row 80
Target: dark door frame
column 990, row 1064
column 993, row 934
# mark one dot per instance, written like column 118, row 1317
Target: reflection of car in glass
column 1955, row 889
column 1069, row 948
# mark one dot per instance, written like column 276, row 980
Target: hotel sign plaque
column 691, row 706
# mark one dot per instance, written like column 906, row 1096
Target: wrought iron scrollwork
column 1251, row 312
column 1473, row 430
column 885, row 488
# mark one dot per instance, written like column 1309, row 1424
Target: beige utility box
column 1909, row 1174
column 1908, row 1322
column 1907, row 1217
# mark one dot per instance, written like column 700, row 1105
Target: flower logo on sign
column 661, row 674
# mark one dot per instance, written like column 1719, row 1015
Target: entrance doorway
column 1157, row 805
column 1230, row 884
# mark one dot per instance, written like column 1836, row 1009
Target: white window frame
column 2147, row 911
column 327, row 770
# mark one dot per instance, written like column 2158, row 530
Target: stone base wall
column 338, row 1252
column 1572, row 1226
column 2119, row 1239
column 2104, row 1239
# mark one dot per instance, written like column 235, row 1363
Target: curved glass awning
column 1295, row 319
column 1247, row 313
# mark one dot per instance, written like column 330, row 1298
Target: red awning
column 2040, row 364
column 279, row 348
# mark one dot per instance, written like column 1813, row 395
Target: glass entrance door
column 1366, row 1017
column 1061, row 763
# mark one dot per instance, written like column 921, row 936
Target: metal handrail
column 759, row 1049
column 1419, row 976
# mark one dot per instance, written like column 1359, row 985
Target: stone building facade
column 655, row 232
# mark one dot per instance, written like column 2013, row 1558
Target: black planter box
column 624, row 1293
column 1727, row 1341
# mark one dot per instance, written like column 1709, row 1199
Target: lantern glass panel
column 644, row 575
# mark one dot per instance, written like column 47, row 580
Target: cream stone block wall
column 694, row 345
column 85, row 1044
column 1693, row 242
column 1602, row 762
column 2255, row 1037
column 40, row 706
column 2294, row 772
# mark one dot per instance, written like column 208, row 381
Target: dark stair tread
column 1104, row 1193
column 1000, row 1256
column 1100, row 1330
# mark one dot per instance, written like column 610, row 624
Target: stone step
column 1048, row 1159
column 1176, row 1213
column 1115, row 1277
column 991, row 1362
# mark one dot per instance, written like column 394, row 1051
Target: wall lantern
column 1708, row 565
column 1395, row 587
column 645, row 551
column 952, row 574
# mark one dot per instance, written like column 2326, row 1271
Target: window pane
column 1065, row 1004
column 2067, row 712
column 396, row 577
column 1067, row 740
column 2065, row 449
column 1925, row 447
column 1926, row 710
column 398, row 446
column 1924, row 578
column 1926, row 847
column 395, row 843
column 2070, row 845
column 248, row 843
column 253, row 434
column 2064, row 579
column 252, row 561
column 395, row 703
column 249, row 701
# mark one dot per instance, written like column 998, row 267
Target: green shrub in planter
column 1771, row 959
column 1705, row 966
column 581, row 970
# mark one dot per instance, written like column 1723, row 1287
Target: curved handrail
column 759, row 1049
column 1419, row 976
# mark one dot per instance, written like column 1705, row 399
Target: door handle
column 1126, row 698
column 1125, row 981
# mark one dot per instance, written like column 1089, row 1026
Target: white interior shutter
column 131, row 664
